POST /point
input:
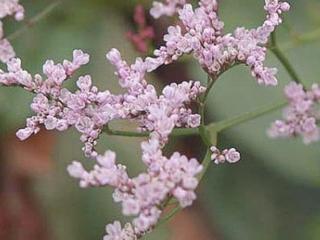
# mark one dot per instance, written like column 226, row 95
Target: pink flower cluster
column 301, row 116
column 90, row 110
column 8, row 8
column 202, row 35
column 143, row 195
column 115, row 232
column 228, row 155
column 169, row 8
column 145, row 34
column 11, row 7
column 48, row 103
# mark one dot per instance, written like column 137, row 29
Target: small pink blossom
column 230, row 155
column 169, row 8
column 116, row 232
column 6, row 50
column 11, row 7
column 301, row 115
column 202, row 35
column 90, row 110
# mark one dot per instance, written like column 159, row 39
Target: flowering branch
column 158, row 115
column 206, row 164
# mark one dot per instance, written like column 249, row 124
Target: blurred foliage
column 272, row 194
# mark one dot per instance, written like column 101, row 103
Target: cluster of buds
column 202, row 34
column 168, row 8
column 227, row 155
column 90, row 110
column 301, row 115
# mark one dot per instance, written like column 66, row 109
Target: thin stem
column 169, row 216
column 202, row 103
column 211, row 81
column 176, row 132
column 225, row 124
column 31, row 22
column 284, row 60
column 206, row 164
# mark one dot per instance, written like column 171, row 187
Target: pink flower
column 6, row 50
column 169, row 8
column 230, row 155
column 11, row 7
column 115, row 232
column 90, row 110
column 301, row 116
column 203, row 36
column 24, row 134
column 76, row 170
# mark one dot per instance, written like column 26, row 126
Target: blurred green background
column 273, row 193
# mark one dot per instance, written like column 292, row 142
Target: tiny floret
column 228, row 155
column 301, row 116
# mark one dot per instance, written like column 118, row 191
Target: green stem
column 29, row 23
column 225, row 124
column 284, row 60
column 179, row 132
column 206, row 164
column 211, row 81
column 209, row 135
column 202, row 104
column 169, row 216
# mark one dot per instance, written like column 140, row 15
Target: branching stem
column 31, row 22
column 210, row 132
column 284, row 60
column 178, row 132
column 245, row 117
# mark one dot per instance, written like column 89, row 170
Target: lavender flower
column 141, row 196
column 230, row 155
column 11, row 7
column 90, row 110
column 47, row 104
column 115, row 232
column 301, row 116
column 202, row 35
column 169, row 8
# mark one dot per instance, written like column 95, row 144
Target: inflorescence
column 301, row 115
column 202, row 36
column 199, row 33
